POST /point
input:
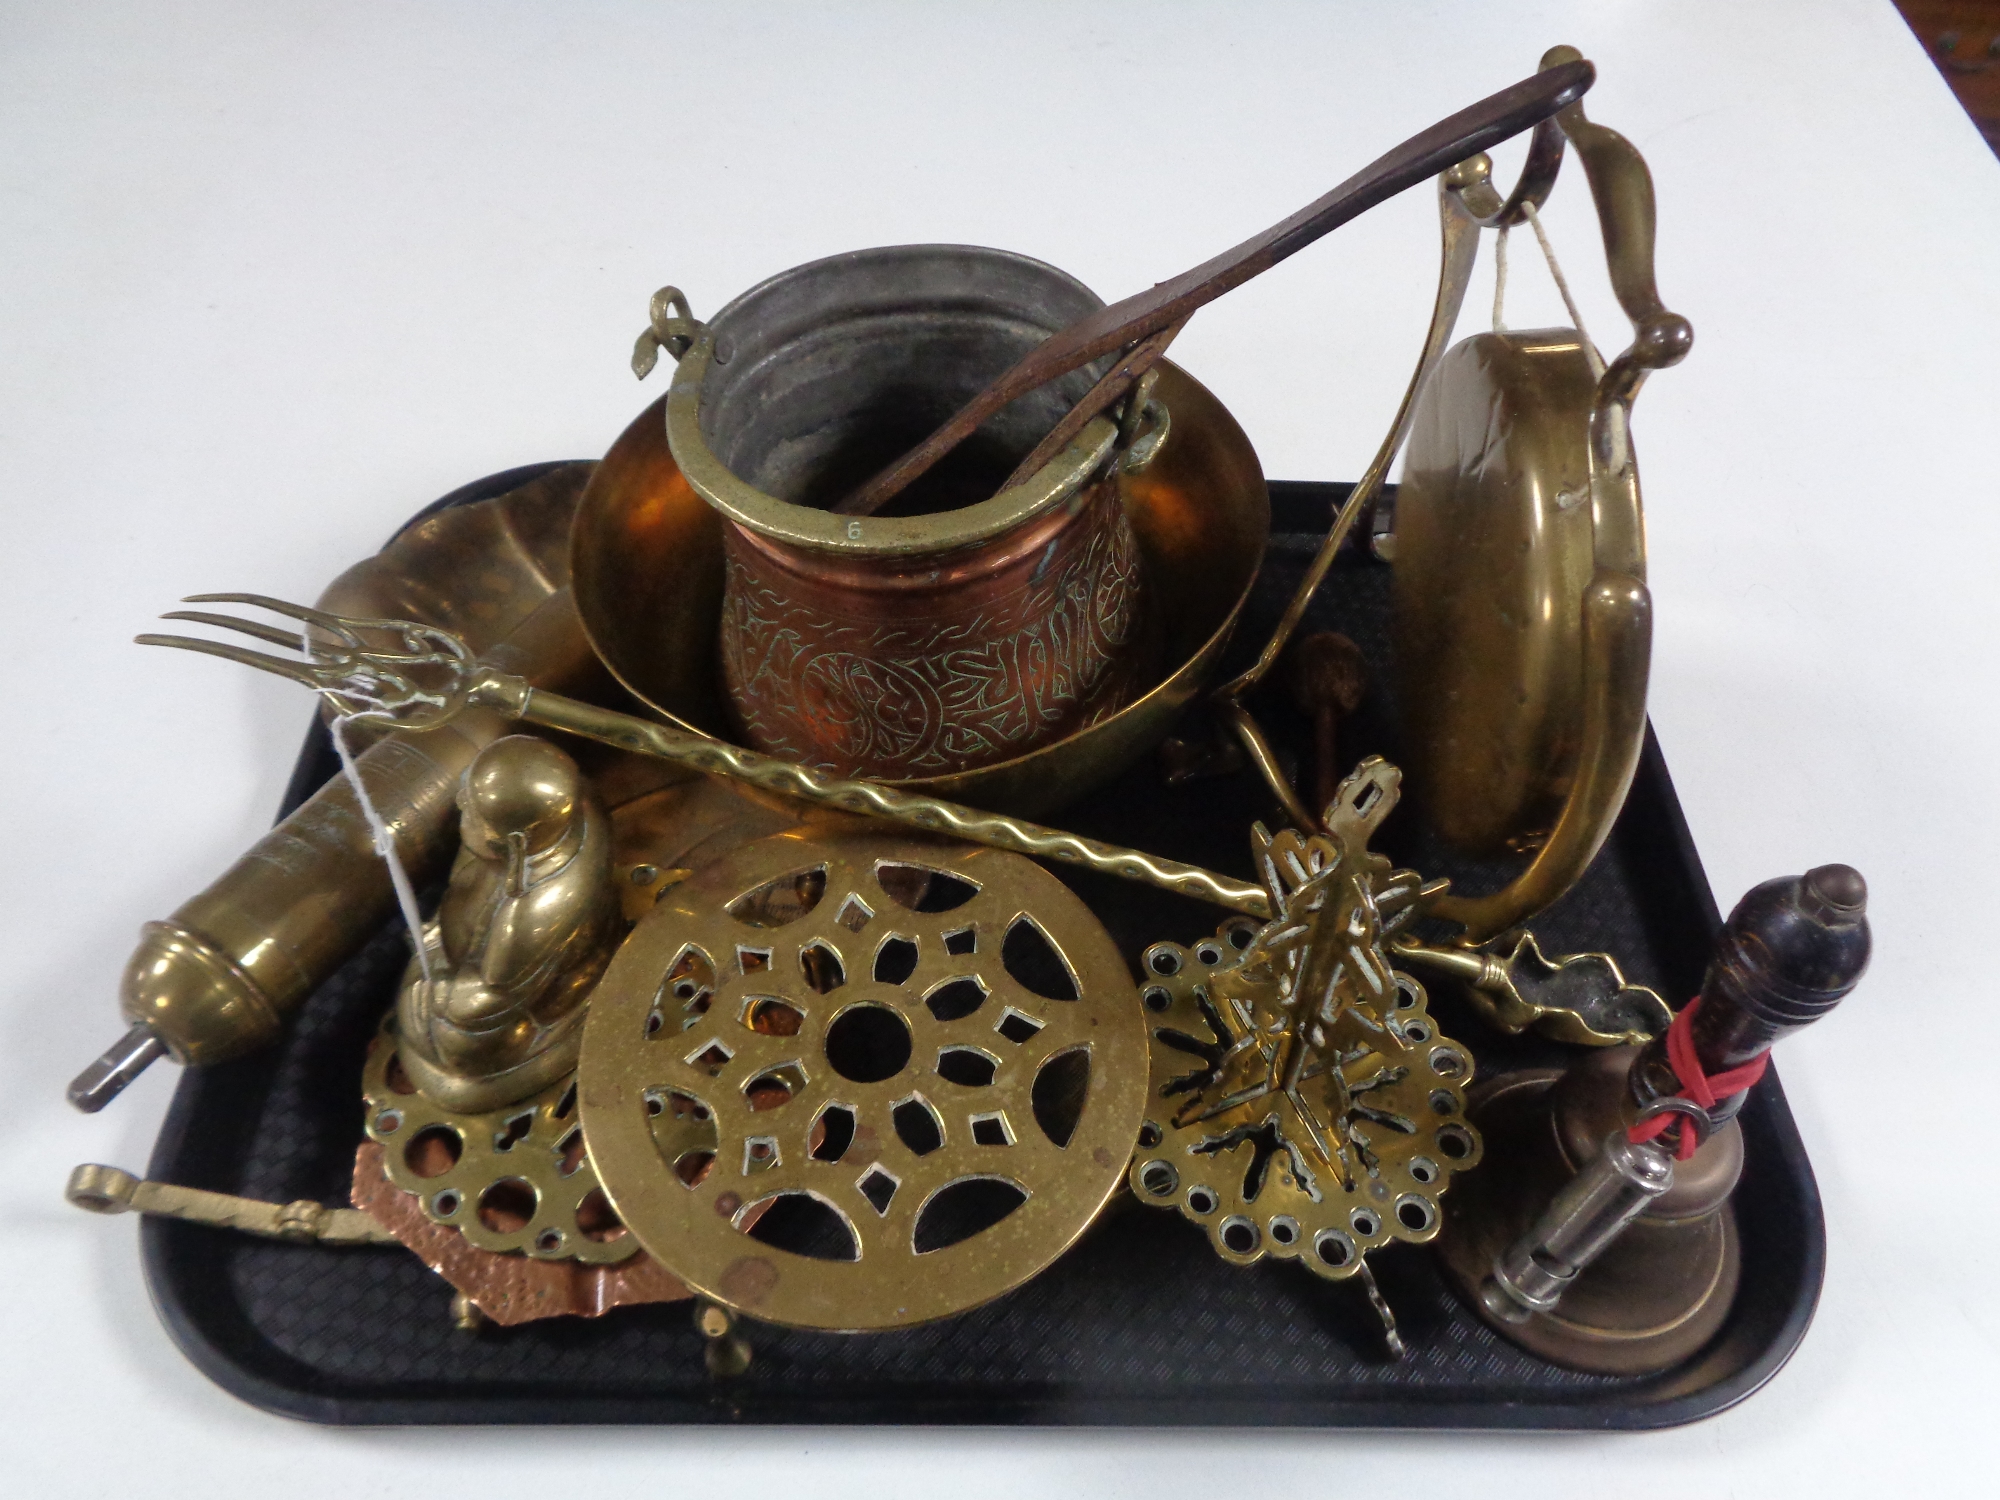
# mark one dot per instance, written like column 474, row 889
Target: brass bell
column 1584, row 1240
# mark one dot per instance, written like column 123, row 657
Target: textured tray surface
column 1140, row 1323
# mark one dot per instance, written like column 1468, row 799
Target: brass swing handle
column 1617, row 607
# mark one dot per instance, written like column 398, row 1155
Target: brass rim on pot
column 865, row 536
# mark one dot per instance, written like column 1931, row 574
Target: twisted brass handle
column 425, row 676
column 514, row 696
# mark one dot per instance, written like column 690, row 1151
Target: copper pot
column 962, row 627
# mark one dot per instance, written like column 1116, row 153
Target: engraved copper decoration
column 882, row 671
column 966, row 627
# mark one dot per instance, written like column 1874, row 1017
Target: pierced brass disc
column 827, row 1084
column 516, row 1178
column 1251, row 1174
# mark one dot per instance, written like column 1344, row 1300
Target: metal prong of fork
column 297, row 671
column 261, row 631
column 416, row 679
column 408, row 633
column 339, row 626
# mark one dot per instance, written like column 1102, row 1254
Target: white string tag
column 1590, row 354
column 1562, row 285
column 385, row 845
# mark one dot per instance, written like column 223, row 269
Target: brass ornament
column 835, row 1035
column 515, row 1178
column 1523, row 622
column 1619, row 1261
column 492, row 1010
column 1302, row 1103
column 1581, row 998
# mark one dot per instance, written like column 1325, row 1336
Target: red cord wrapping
column 1701, row 1088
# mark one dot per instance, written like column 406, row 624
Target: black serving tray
column 1139, row 1324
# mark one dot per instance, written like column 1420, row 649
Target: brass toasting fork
column 424, row 682
column 410, row 676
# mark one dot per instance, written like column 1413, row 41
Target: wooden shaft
column 1487, row 123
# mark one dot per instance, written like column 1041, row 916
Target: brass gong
column 1523, row 625
column 1495, row 544
column 862, row 1081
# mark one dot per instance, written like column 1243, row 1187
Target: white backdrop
column 273, row 276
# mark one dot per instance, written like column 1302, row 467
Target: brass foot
column 728, row 1352
column 465, row 1314
column 1392, row 1336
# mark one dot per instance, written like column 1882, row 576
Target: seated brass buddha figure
column 527, row 924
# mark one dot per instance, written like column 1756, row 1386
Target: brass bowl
column 646, row 564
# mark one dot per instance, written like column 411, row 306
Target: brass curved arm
column 1460, row 235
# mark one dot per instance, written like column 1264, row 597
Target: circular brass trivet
column 826, row 1084
column 515, row 1178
